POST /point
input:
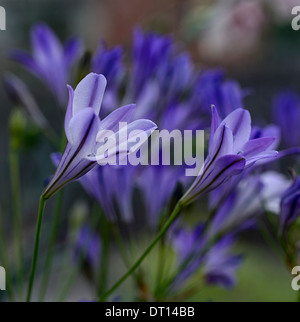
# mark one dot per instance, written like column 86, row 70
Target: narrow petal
column 239, row 122
column 27, row 61
column 138, row 126
column 256, row 146
column 19, row 92
column 79, row 125
column 89, row 93
column 122, row 114
column 55, row 158
column 69, row 112
column 72, row 51
column 222, row 143
column 215, row 122
column 223, row 169
column 262, row 156
column 45, row 44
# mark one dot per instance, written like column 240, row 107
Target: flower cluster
column 162, row 88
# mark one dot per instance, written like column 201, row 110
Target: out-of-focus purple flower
column 219, row 266
column 150, row 56
column 108, row 62
column 290, row 205
column 213, row 89
column 287, row 115
column 111, row 185
column 156, row 199
column 88, row 246
column 82, row 124
column 50, row 60
column 230, row 151
column 20, row 94
column 247, row 200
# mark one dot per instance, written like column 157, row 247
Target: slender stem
column 16, row 209
column 120, row 244
column 105, row 236
column 163, row 231
column 36, row 247
column 70, row 280
column 50, row 252
column 160, row 264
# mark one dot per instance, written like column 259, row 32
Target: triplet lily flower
column 50, row 61
column 88, row 246
column 19, row 93
column 219, row 265
column 230, row 151
column 82, row 125
column 290, row 205
column 287, row 115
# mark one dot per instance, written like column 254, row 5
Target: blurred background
column 251, row 40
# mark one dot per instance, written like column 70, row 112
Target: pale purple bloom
column 50, row 61
column 287, row 115
column 156, row 196
column 108, row 62
column 111, row 185
column 82, row 124
column 150, row 56
column 212, row 89
column 230, row 152
column 290, row 205
column 241, row 208
column 20, row 95
column 88, row 246
column 247, row 199
column 218, row 264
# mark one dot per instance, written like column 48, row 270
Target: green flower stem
column 163, row 231
column 160, row 264
column 120, row 244
column 36, row 246
column 16, row 209
column 70, row 280
column 105, row 237
column 50, row 252
column 138, row 276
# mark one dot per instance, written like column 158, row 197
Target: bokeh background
column 251, row 40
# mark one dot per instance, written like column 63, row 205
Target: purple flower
column 287, row 115
column 50, row 61
column 246, row 200
column 88, row 246
column 290, row 205
column 108, row 62
column 82, row 124
column 218, row 264
column 212, row 89
column 156, row 199
column 230, row 151
column 111, row 185
column 150, row 56
column 20, row 94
